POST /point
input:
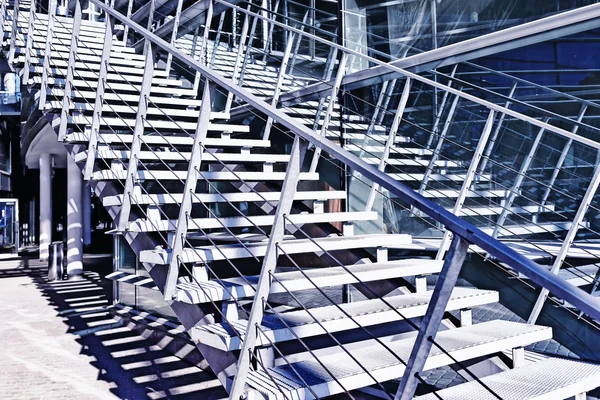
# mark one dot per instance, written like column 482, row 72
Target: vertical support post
column 438, row 118
column 87, row 214
column 269, row 43
column 138, row 132
column 284, row 206
column 494, row 137
column 98, row 103
column 562, row 158
column 247, row 54
column 174, row 33
column 311, row 42
column 47, row 51
column 29, row 43
column 116, row 266
column 126, row 29
column 217, row 39
column 390, row 140
column 568, row 241
column 514, row 190
column 433, row 317
column 2, row 13
column 471, row 172
column 332, row 99
column 329, row 67
column 189, row 190
column 45, row 205
column 280, row 77
column 378, row 109
column 74, row 219
column 236, row 67
column 13, row 34
column 297, row 48
column 438, row 146
column 66, row 103
column 204, row 44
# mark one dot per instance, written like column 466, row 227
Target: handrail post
column 297, row 48
column 391, row 139
column 174, row 33
column 217, row 42
column 586, row 201
column 332, row 100
column 203, row 45
column 269, row 44
column 66, row 104
column 191, row 180
column 247, row 54
column 284, row 206
column 514, row 191
column 126, row 27
column 98, row 103
column 236, row 66
column 469, row 178
column 280, row 77
column 29, row 43
column 433, row 318
column 440, row 112
column 47, row 51
column 138, row 132
column 327, row 74
column 438, row 146
column 563, row 157
column 13, row 34
column 2, row 13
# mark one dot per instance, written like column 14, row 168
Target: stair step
column 531, row 228
column 370, row 150
column 452, row 194
column 107, row 175
column 168, row 140
column 117, row 123
column 111, row 77
column 107, row 154
column 144, row 225
column 553, row 378
column 132, row 279
column 118, row 87
column 412, row 163
column 462, row 344
column 481, row 211
column 582, row 275
column 176, row 198
column 364, row 313
column 458, row 178
column 79, row 66
column 226, row 289
column 297, row 246
column 90, row 96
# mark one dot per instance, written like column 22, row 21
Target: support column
column 74, row 219
column 87, row 214
column 45, row 205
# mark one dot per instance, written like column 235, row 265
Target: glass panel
column 7, row 223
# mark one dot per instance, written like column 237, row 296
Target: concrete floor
column 59, row 342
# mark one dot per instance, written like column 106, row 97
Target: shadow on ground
column 134, row 367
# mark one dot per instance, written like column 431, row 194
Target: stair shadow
column 135, row 367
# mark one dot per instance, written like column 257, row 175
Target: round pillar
column 45, row 205
column 74, row 219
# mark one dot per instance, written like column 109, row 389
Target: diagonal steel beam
column 66, row 104
column 98, row 103
column 189, row 190
column 284, row 206
column 433, row 318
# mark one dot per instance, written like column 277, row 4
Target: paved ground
column 58, row 342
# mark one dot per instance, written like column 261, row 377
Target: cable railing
column 287, row 128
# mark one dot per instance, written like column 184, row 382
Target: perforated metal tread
column 204, row 292
column 365, row 313
column 295, row 246
column 462, row 343
column 549, row 379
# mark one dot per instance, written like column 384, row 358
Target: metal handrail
column 584, row 301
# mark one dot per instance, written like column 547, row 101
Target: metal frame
column 66, row 104
column 438, row 117
column 238, row 57
column 433, row 318
column 174, row 33
column 584, row 301
column 46, row 66
column 586, row 201
column 469, row 178
column 191, row 181
column 98, row 103
column 284, row 207
column 29, row 43
column 126, row 28
column 390, row 140
column 13, row 36
column 138, row 131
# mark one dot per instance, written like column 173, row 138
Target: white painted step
column 132, row 279
column 531, row 228
column 226, row 289
column 550, row 379
column 582, row 275
column 452, row 194
column 366, row 313
column 412, row 163
column 117, row 87
column 462, row 344
column 481, row 211
column 132, row 99
column 296, row 246
column 176, row 198
column 144, row 225
column 237, row 158
column 416, row 177
column 169, row 140
column 105, row 175
column 370, row 150
column 111, row 77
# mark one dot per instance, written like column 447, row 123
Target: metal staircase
column 248, row 238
